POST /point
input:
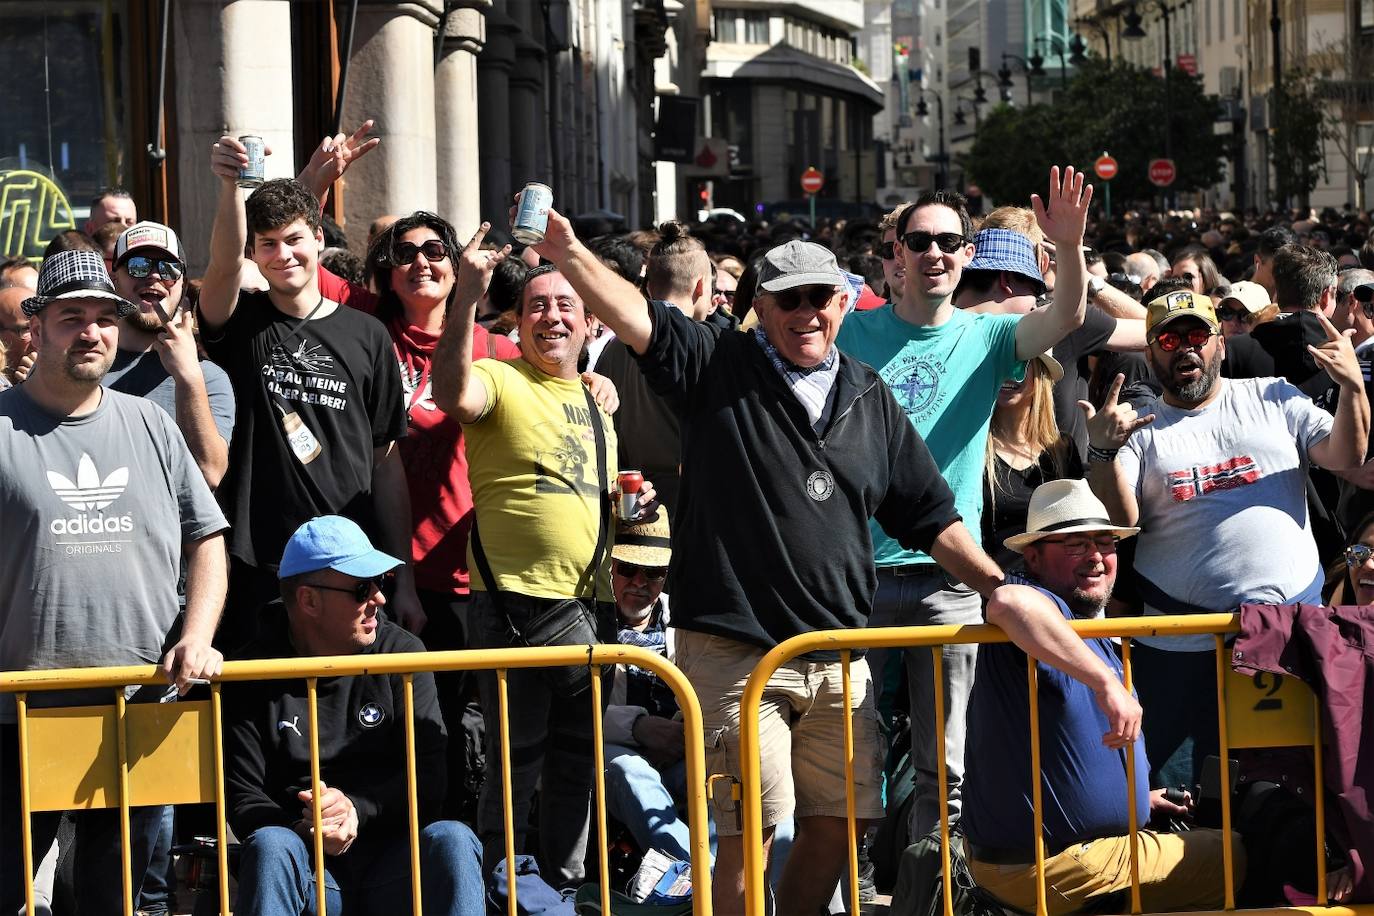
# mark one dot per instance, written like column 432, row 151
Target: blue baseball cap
column 337, row 543
column 1006, row 249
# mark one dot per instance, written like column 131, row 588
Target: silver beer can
column 532, row 214
column 252, row 174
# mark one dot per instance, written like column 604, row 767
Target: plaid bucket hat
column 75, row 274
column 1006, row 249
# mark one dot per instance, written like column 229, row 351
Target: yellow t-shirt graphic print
column 532, row 465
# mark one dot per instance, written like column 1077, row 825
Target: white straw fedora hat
column 1064, row 507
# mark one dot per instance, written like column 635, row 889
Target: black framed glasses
column 818, row 297
column 887, row 250
column 433, row 250
column 650, row 573
column 1358, row 554
column 1226, row 313
column 1196, row 338
column 360, row 591
column 1080, row 545
column 948, row 242
column 140, row 267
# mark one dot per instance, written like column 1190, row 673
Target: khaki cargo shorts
column 801, row 732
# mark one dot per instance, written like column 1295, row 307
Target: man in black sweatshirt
column 789, row 447
column 331, row 595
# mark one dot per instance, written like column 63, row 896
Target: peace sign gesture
column 1112, row 426
column 475, row 266
column 1063, row 213
column 1337, row 356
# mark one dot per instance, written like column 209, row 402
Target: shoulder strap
column 491, row 345
column 603, row 494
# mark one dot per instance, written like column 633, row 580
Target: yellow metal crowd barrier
column 1239, row 724
column 128, row 755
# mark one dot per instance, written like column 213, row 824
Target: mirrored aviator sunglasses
column 140, row 267
column 1358, row 554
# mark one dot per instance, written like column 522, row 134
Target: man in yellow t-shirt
column 532, row 462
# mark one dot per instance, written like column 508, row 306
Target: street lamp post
column 1004, row 75
column 923, row 110
column 1134, row 32
column 1101, row 29
column 1038, row 63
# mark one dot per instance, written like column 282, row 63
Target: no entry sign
column 1105, row 167
column 1162, row 172
column 812, row 181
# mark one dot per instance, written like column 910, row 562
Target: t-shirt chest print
column 565, row 456
column 304, row 372
column 1189, row 483
column 82, row 525
column 915, row 378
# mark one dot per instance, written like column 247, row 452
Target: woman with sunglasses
column 1350, row 577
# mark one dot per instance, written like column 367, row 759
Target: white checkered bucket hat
column 75, row 274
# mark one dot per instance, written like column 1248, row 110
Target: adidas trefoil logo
column 89, row 493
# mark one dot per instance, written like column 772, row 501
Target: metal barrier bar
column 1037, row 803
column 310, row 669
column 507, row 806
column 853, row 861
column 126, row 866
column 412, row 794
column 1224, row 752
column 312, row 700
column 1127, row 681
column 21, row 704
column 599, row 754
column 942, row 775
column 1319, row 797
column 221, row 810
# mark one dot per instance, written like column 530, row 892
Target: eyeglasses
column 1082, row 545
column 650, row 573
column 948, row 242
column 433, row 250
column 887, row 250
column 1226, row 313
column 1358, row 554
column 818, row 297
column 1169, row 341
column 140, row 267
column 361, row 591
column 1187, row 275
column 727, row 294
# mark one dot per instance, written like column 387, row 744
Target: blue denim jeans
column 276, row 877
column 929, row 598
column 645, row 799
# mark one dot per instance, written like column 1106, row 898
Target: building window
column 725, row 25
column 756, row 27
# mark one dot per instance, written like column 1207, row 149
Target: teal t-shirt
column 946, row 378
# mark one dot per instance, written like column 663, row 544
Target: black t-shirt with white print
column 314, row 399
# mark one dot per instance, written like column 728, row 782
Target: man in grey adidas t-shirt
column 99, row 498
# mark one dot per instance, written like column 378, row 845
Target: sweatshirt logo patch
column 820, row 485
column 371, row 715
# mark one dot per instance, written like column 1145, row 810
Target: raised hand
column 228, row 157
column 1063, row 213
column 1337, row 356
column 475, row 267
column 1110, row 428
column 558, row 235
column 334, row 156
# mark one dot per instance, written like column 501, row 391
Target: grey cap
column 796, row 264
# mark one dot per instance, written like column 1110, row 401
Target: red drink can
column 630, row 483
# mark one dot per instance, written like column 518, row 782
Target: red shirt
column 435, row 460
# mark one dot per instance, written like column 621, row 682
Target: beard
column 86, row 372
column 1196, row 390
column 148, row 322
column 1085, row 606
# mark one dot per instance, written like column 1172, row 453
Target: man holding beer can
column 789, row 447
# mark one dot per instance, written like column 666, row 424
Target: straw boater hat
column 1064, row 507
column 646, row 543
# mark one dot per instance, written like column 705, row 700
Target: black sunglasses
column 650, row 573
column 433, row 250
column 948, row 242
column 887, row 250
column 1169, row 341
column 818, row 297
column 361, row 591
column 1226, row 313
column 140, row 267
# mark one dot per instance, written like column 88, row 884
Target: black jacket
column 771, row 534
column 362, row 742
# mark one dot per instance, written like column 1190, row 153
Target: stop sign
column 812, row 180
column 1162, row 172
column 1105, row 167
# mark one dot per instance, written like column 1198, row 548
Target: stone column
column 456, row 120
column 527, row 111
column 391, row 80
column 233, row 76
column 494, row 113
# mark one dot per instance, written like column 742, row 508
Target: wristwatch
column 1095, row 285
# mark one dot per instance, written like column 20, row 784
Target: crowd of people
column 938, row 418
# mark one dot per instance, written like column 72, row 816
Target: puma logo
column 283, row 725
